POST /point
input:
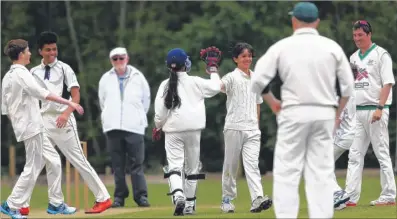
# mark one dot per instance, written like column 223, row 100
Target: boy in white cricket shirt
column 61, row 125
column 241, row 132
column 373, row 86
column 19, row 103
column 180, row 113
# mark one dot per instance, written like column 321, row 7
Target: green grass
column 209, row 195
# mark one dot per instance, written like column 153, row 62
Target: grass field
column 209, row 195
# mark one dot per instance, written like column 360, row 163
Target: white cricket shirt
column 60, row 73
column 241, row 103
column 191, row 115
column 375, row 69
column 308, row 65
column 19, row 93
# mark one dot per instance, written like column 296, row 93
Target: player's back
column 307, row 66
column 19, row 104
column 192, row 91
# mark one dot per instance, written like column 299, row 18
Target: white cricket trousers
column 338, row 151
column 377, row 134
column 304, row 146
column 183, row 157
column 247, row 144
column 68, row 142
column 23, row 188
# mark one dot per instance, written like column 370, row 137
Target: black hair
column 47, row 37
column 172, row 99
column 365, row 25
column 14, row 48
column 238, row 48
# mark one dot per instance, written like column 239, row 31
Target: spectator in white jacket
column 180, row 113
column 124, row 97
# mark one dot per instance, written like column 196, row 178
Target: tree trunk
column 122, row 22
column 138, row 19
column 83, row 80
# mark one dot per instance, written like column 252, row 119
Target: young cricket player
column 180, row 114
column 19, row 103
column 373, row 86
column 308, row 65
column 61, row 126
column 242, row 135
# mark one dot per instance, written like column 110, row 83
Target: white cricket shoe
column 341, row 206
column 340, row 197
column 382, row 201
column 260, row 204
column 180, row 202
column 227, row 205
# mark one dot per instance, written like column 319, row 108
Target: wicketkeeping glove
column 212, row 57
column 156, row 134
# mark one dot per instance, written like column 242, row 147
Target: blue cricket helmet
column 177, row 58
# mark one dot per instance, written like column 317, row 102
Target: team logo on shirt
column 362, row 79
column 371, row 62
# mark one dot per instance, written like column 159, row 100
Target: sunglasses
column 118, row 58
column 363, row 24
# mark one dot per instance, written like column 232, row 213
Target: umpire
column 124, row 98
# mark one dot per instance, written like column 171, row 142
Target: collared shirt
column 375, row 69
column 192, row 91
column 308, row 65
column 60, row 74
column 241, row 103
column 19, row 93
column 124, row 109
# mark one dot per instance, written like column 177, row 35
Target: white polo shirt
column 19, row 93
column 375, row 69
column 60, row 73
column 308, row 65
column 241, row 103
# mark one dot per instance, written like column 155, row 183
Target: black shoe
column 118, row 204
column 143, row 202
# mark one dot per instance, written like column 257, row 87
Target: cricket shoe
column 340, row 197
column 24, row 211
column 14, row 214
column 227, row 205
column 190, row 207
column 61, row 209
column 180, row 202
column 100, row 207
column 260, row 204
column 341, row 206
column 382, row 202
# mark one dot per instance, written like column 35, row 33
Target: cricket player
column 373, row 87
column 345, row 129
column 19, row 103
column 61, row 126
column 308, row 65
column 180, row 114
column 242, row 135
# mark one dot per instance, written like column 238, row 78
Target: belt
column 370, row 107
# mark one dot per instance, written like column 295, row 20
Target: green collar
column 367, row 52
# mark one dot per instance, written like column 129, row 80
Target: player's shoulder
column 35, row 69
column 64, row 64
column 380, row 51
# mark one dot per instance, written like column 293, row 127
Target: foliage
column 88, row 30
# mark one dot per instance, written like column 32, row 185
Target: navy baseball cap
column 305, row 11
column 176, row 58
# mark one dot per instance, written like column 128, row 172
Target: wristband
column 380, row 107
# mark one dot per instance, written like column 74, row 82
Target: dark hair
column 240, row 47
column 47, row 37
column 172, row 99
column 365, row 25
column 14, row 48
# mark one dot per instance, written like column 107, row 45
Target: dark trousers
column 128, row 145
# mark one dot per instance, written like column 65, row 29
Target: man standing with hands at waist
column 124, row 97
column 373, row 85
column 307, row 116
